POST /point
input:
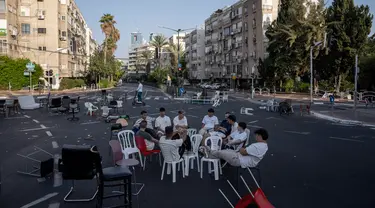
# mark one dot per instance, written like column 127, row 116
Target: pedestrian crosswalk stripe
column 156, row 98
column 129, row 98
column 148, row 98
column 165, row 98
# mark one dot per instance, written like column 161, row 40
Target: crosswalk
column 150, row 98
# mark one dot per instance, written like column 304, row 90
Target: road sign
column 179, row 69
column 30, row 66
column 179, row 65
column 26, row 73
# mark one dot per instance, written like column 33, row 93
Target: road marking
column 15, row 117
column 54, row 205
column 271, row 118
column 36, row 121
column 296, row 132
column 345, row 139
column 166, row 98
column 129, row 98
column 49, row 133
column 55, row 145
column 35, row 129
column 318, row 103
column 27, row 116
column 373, row 128
column 192, row 116
column 156, row 98
column 43, row 126
column 148, row 98
column 259, row 127
column 91, row 122
column 251, row 122
column 44, row 198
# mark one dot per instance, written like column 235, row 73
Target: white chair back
column 119, row 103
column 214, row 142
column 196, row 140
column 167, row 151
column 248, row 137
column 191, row 132
column 126, row 139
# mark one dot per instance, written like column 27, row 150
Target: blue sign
column 179, row 65
column 181, row 90
column 30, row 66
column 331, row 98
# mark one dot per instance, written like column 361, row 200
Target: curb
column 339, row 120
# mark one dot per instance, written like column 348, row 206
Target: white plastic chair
column 196, row 140
column 215, row 145
column 166, row 150
column 225, row 97
column 105, row 111
column 247, row 111
column 128, row 145
column 191, row 132
column 90, row 108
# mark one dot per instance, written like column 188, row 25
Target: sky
column 146, row 15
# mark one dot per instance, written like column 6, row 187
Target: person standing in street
column 169, row 81
column 139, row 91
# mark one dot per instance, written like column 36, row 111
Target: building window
column 25, row 28
column 42, row 30
column 25, row 11
column 2, row 6
column 63, row 33
column 42, row 48
column 3, row 45
column 63, row 18
column 40, row 0
column 254, row 7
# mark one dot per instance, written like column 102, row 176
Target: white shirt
column 149, row 122
column 210, row 122
column 256, row 153
column 140, row 87
column 180, row 122
column 172, row 147
column 162, row 122
column 234, row 128
column 237, row 136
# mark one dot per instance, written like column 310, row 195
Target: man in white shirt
column 170, row 144
column 139, row 92
column 162, row 121
column 209, row 121
column 149, row 120
column 238, row 138
column 246, row 157
column 234, row 125
column 180, row 121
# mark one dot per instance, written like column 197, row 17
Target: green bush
column 302, row 87
column 159, row 75
column 69, row 83
column 105, row 83
column 12, row 70
column 289, row 85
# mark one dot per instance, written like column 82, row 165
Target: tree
column 174, row 54
column 12, row 71
column 112, row 34
column 159, row 75
column 267, row 72
column 346, row 39
column 147, row 58
column 159, row 42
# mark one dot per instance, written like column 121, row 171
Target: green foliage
column 70, row 83
column 105, row 83
column 302, row 87
column 367, row 72
column 159, row 75
column 289, row 85
column 11, row 70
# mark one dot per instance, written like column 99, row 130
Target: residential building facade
column 50, row 33
column 235, row 38
column 136, row 39
column 136, row 59
column 194, row 54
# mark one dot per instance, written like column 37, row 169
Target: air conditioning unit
column 41, row 17
column 232, row 33
column 63, row 38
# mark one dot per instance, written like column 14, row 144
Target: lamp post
column 315, row 44
column 178, row 41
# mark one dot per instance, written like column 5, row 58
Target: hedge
column 11, row 70
column 69, row 83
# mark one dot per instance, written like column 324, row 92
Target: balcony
column 267, row 7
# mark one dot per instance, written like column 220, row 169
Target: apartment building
column 136, row 59
column 50, row 33
column 194, row 54
column 235, row 38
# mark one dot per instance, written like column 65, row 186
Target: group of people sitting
column 235, row 149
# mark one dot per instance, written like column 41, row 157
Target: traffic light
column 179, row 69
column 50, row 72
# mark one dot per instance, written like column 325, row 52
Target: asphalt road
column 310, row 162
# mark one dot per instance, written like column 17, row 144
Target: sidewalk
column 363, row 117
column 10, row 94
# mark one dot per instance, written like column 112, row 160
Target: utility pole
column 356, row 83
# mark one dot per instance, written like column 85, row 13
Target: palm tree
column 112, row 34
column 147, row 58
column 173, row 53
column 159, row 42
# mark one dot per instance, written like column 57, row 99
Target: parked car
column 216, row 86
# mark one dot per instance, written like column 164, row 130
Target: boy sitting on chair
column 246, row 157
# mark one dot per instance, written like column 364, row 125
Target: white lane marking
column 55, row 145
column 166, row 98
column 44, row 198
column 345, row 139
column 54, row 205
column 296, row 132
column 43, row 126
column 259, row 127
column 36, row 121
column 27, row 116
column 156, row 98
column 192, row 116
column 271, row 118
column 129, row 98
column 251, row 122
column 92, row 122
column 318, row 103
column 148, row 98
column 49, row 133
column 35, row 129
column 373, row 128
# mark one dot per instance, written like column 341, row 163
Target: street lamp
column 178, row 41
column 315, row 44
